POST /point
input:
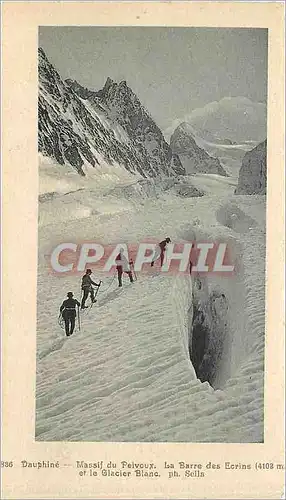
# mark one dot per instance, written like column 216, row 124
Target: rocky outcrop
column 193, row 158
column 78, row 126
column 253, row 174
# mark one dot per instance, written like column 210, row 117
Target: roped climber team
column 68, row 307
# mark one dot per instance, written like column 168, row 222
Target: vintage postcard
column 143, row 250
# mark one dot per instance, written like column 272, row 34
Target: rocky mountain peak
column 194, row 158
column 109, row 82
column 118, row 94
column 81, row 91
column 41, row 53
column 253, row 172
column 78, row 126
column 183, row 140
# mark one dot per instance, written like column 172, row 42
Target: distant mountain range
column 79, row 127
column 237, row 118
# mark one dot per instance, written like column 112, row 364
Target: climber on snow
column 160, row 251
column 123, row 266
column 86, row 286
column 68, row 312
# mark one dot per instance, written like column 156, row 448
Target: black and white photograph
column 152, row 146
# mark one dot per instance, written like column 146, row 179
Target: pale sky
column 172, row 70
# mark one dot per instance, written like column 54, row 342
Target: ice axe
column 97, row 289
column 61, row 321
column 78, row 318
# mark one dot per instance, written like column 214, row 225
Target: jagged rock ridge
column 253, row 174
column 193, row 158
column 78, row 126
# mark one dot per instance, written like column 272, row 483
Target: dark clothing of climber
column 68, row 310
column 160, row 251
column 86, row 286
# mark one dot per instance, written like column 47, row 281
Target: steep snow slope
column 127, row 376
column 78, row 127
column 253, row 174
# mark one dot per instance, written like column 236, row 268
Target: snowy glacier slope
column 127, row 375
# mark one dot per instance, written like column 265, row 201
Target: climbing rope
column 61, row 321
column 85, row 312
column 110, row 284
